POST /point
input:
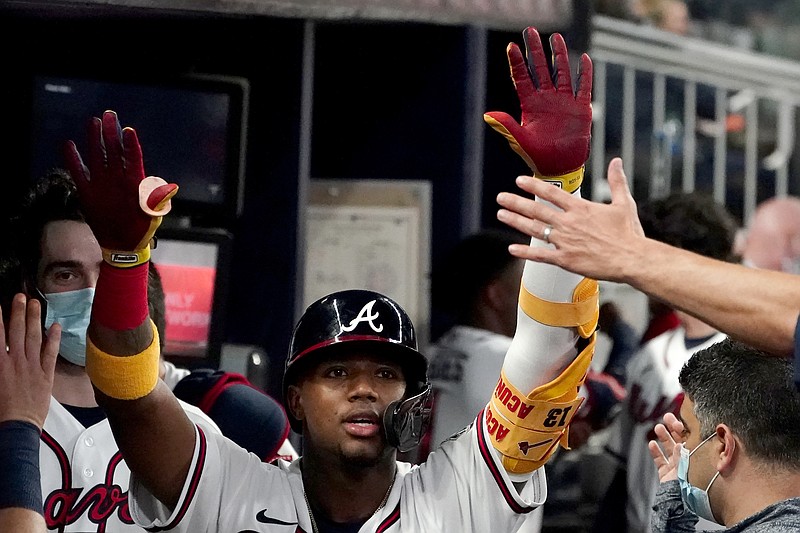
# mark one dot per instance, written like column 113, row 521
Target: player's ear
column 294, row 402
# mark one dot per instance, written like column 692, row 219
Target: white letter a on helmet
column 365, row 315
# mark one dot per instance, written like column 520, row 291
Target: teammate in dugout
column 355, row 384
column 84, row 480
column 56, row 259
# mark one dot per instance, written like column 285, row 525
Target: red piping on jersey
column 225, row 381
column 390, row 520
column 198, row 471
column 66, row 471
column 61, row 455
column 488, row 457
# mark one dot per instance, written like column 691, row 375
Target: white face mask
column 696, row 500
column 72, row 310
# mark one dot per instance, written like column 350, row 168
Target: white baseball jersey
column 84, row 479
column 461, row 487
column 653, row 391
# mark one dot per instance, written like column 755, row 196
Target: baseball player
column 84, row 479
column 355, row 384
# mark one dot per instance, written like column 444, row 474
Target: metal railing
column 648, row 88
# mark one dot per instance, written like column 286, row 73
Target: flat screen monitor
column 192, row 131
column 194, row 267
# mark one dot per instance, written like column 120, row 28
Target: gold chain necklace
column 314, row 527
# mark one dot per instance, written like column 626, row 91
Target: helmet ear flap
column 406, row 421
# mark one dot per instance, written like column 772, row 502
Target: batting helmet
column 374, row 320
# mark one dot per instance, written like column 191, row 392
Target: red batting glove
column 121, row 205
column 553, row 134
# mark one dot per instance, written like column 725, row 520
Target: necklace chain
column 314, row 527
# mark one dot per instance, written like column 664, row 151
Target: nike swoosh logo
column 264, row 519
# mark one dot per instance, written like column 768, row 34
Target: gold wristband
column 570, row 181
column 124, row 378
column 141, row 252
column 122, row 259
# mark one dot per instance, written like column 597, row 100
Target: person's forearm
column 153, row 433
column 21, row 520
column 759, row 307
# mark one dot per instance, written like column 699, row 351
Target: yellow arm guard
column 527, row 428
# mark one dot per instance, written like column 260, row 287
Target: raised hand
column 26, row 368
column 666, row 452
column 121, row 205
column 555, row 128
column 597, row 240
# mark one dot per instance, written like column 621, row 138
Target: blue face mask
column 71, row 309
column 696, row 500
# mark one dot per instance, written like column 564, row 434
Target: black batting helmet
column 366, row 317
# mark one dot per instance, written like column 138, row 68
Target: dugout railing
column 687, row 113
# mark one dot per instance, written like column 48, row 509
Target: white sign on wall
column 371, row 235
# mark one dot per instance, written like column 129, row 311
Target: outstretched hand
column 555, row 127
column 121, row 205
column 592, row 239
column 26, row 369
column 666, row 451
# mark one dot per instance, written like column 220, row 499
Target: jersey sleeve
column 464, row 487
column 225, row 490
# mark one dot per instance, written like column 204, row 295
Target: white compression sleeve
column 538, row 352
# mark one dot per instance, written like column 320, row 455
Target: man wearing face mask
column 84, row 479
column 734, row 455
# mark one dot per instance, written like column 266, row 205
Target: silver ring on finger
column 546, row 233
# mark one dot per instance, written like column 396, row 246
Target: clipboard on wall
column 371, row 234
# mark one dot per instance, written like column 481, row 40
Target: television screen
column 193, row 266
column 191, row 131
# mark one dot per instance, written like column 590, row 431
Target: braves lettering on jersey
column 461, row 487
column 84, row 479
column 653, row 391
